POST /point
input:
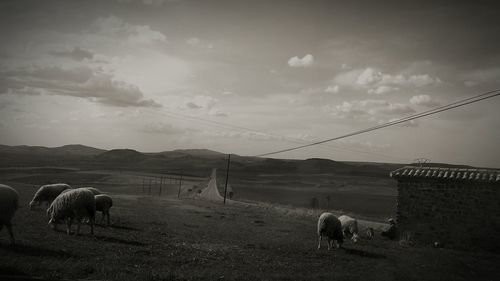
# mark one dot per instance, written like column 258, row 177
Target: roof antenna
column 420, row 162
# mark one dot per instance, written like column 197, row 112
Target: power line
column 456, row 104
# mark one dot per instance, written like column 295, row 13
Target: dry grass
column 168, row 239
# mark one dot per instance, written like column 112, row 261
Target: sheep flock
column 65, row 205
column 68, row 205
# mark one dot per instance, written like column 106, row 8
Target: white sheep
column 94, row 190
column 9, row 199
column 103, row 203
column 47, row 193
column 74, row 204
column 349, row 227
column 330, row 226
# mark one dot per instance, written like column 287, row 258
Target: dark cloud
column 193, row 105
column 77, row 82
column 75, row 54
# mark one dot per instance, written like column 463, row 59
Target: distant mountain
column 193, row 161
column 319, row 165
column 71, row 149
column 78, row 149
column 121, row 156
column 201, row 152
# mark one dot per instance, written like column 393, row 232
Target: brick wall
column 459, row 214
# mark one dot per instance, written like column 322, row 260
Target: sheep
column 349, row 227
column 390, row 232
column 330, row 226
column 74, row 204
column 47, row 193
column 94, row 190
column 9, row 199
column 103, row 203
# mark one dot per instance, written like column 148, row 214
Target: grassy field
column 165, row 238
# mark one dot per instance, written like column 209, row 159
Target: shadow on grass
column 31, row 250
column 119, row 241
column 124, row 227
column 362, row 253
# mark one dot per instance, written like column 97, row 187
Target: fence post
column 161, row 182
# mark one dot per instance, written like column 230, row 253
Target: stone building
column 457, row 207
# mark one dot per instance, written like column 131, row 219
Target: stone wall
column 458, row 214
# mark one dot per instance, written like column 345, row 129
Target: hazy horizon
column 250, row 77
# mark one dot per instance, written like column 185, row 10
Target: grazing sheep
column 9, row 199
column 94, row 190
column 391, row 232
column 47, row 193
column 103, row 203
column 74, row 204
column 369, row 233
column 330, row 226
column 349, row 227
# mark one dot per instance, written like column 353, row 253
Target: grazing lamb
column 9, row 199
column 74, row 204
column 47, row 193
column 391, row 232
column 103, row 203
column 330, row 226
column 349, row 227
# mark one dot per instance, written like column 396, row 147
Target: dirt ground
column 165, row 238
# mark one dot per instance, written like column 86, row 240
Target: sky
column 251, row 77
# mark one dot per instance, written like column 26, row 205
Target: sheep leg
column 319, row 243
column 68, row 225
column 92, row 226
column 108, row 217
column 78, row 224
column 330, row 244
column 103, row 214
column 9, row 228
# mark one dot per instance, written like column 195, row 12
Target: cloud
column 197, row 42
column 424, row 100
column 139, row 34
column 377, row 82
column 82, row 82
column 192, row 105
column 193, row 41
column 332, row 89
column 217, row 113
column 368, row 76
column 306, row 61
column 162, row 128
column 369, row 109
column 380, row 90
column 482, row 76
column 155, row 3
column 202, row 101
column 75, row 54
column 103, row 88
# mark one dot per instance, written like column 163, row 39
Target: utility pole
column 180, row 184
column 227, row 176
